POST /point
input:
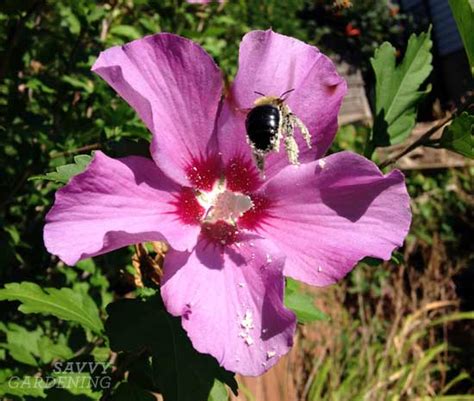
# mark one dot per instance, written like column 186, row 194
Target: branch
column 425, row 139
column 86, row 148
column 88, row 348
column 422, row 140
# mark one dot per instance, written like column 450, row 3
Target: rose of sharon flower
column 233, row 235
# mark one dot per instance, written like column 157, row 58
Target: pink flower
column 233, row 235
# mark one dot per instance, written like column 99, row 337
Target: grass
column 396, row 333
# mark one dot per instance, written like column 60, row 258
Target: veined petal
column 231, row 303
column 329, row 214
column 175, row 87
column 271, row 63
column 112, row 204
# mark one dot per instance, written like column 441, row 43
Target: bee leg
column 292, row 150
column 277, row 139
column 288, row 132
column 260, row 161
column 304, row 131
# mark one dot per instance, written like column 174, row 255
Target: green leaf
column 80, row 383
column 397, row 89
column 86, row 85
column 125, row 31
column 64, row 173
column 24, row 386
column 70, row 20
column 26, row 346
column 5, row 374
column 49, row 351
column 458, row 136
column 463, row 12
column 179, row 371
column 302, row 304
column 22, row 344
column 218, row 392
column 63, row 303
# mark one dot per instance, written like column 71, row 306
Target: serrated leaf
column 49, row 351
column 397, row 88
column 63, row 303
column 463, row 12
column 25, row 386
column 179, row 371
column 301, row 304
column 26, row 346
column 64, row 173
column 458, row 136
column 22, row 344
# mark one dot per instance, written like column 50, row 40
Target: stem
column 88, row 348
column 86, row 148
column 422, row 140
column 425, row 140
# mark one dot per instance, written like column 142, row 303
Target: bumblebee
column 271, row 121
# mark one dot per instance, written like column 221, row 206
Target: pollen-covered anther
column 222, row 204
column 229, row 206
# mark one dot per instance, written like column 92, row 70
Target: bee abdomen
column 262, row 126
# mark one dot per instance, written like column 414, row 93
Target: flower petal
column 271, row 63
column 329, row 214
column 175, row 87
column 231, row 304
column 112, row 204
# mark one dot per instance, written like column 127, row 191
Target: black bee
column 270, row 121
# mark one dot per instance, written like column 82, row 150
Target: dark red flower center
column 220, row 232
column 222, row 200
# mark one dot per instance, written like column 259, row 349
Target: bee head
column 273, row 100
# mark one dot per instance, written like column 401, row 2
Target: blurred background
column 398, row 330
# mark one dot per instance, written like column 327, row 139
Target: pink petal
column 271, row 63
column 175, row 87
column 231, row 304
column 329, row 214
column 112, row 204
